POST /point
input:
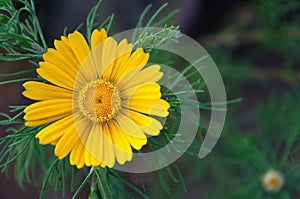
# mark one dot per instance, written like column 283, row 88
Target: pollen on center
column 99, row 100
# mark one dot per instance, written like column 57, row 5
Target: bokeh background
column 255, row 45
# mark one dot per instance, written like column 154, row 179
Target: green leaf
column 101, row 184
column 125, row 182
column 163, row 182
column 85, row 181
column 181, row 180
column 46, row 177
column 90, row 20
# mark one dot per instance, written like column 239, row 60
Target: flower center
column 273, row 182
column 99, row 100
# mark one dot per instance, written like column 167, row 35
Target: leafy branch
column 20, row 39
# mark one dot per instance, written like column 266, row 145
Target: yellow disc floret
column 99, row 100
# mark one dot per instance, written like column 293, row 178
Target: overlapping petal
column 47, row 111
column 41, row 91
column 69, row 67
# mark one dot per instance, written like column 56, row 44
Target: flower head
column 99, row 99
column 272, row 181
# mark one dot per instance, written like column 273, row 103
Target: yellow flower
column 99, row 99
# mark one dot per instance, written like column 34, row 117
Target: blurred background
column 255, row 45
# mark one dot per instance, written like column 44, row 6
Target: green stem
column 88, row 177
column 101, row 184
column 38, row 25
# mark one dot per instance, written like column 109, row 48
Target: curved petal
column 55, row 75
column 157, row 107
column 54, row 57
column 150, row 91
column 149, row 74
column 131, row 131
column 54, row 131
column 128, row 126
column 41, row 91
column 122, row 147
column 109, row 153
column 47, row 111
column 98, row 36
column 66, row 142
column 123, row 53
column 91, row 160
column 77, row 155
column 138, row 59
column 136, row 143
column 64, row 48
column 94, row 146
column 132, row 74
column 88, row 70
column 148, row 124
column 97, row 42
column 79, row 46
column 108, row 56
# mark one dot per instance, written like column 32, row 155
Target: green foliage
column 20, row 39
column 277, row 149
column 150, row 41
column 262, row 132
column 90, row 21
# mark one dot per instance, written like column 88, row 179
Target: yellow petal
column 43, row 121
column 41, row 91
column 77, row 155
column 54, row 142
column 64, row 48
column 47, row 111
column 128, row 126
column 92, row 160
column 54, row 57
column 157, row 107
column 138, row 59
column 148, row 124
column 122, row 55
column 122, row 147
column 79, row 46
column 55, row 75
column 149, row 74
column 98, row 37
column 136, row 143
column 83, row 128
column 132, row 74
column 54, row 131
column 109, row 153
column 66, row 142
column 108, row 56
column 97, row 41
column 150, row 91
column 94, row 146
column 131, row 131
column 96, row 67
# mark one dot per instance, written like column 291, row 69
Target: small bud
column 272, row 181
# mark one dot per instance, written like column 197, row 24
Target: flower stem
column 101, row 184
